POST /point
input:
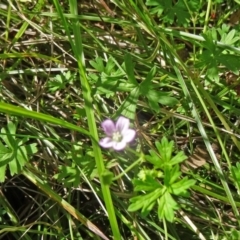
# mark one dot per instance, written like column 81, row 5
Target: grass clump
column 164, row 72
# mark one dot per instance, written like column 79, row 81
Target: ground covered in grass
column 119, row 119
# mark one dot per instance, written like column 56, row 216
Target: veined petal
column 129, row 135
column 119, row 145
column 122, row 124
column 106, row 142
column 108, row 127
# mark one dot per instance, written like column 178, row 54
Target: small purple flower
column 118, row 134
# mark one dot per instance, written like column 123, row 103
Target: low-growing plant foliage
column 119, row 119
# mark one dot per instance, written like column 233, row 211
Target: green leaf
column 23, row 152
column 153, row 101
column 2, row 173
column 137, row 203
column 150, row 181
column 107, row 177
column 149, row 184
column 97, row 64
column 14, row 166
column 22, row 155
column 230, row 38
column 130, row 69
column 181, row 12
column 224, row 29
column 230, row 61
column 212, row 73
column 167, row 207
column 31, row 148
column 158, row 6
column 167, row 100
column 146, row 85
column 171, row 175
column 155, row 159
column 210, row 42
column 236, row 172
column 169, row 11
column 5, row 154
column 180, row 157
column 153, row 173
column 165, row 149
column 144, row 202
column 110, row 66
column 128, row 108
column 155, row 96
column 181, row 187
column 15, row 153
column 236, row 175
column 147, row 208
column 69, row 176
column 60, row 81
column 8, row 134
column 235, row 234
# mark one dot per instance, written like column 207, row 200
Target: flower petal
column 122, row 124
column 119, row 145
column 128, row 135
column 108, row 127
column 106, row 142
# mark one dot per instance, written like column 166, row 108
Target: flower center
column 117, row 137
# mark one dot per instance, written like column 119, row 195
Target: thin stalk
column 79, row 55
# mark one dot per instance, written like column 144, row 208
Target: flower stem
column 129, row 168
column 77, row 47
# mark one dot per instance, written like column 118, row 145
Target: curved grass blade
column 78, row 50
column 19, row 111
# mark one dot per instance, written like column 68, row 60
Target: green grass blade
column 79, row 55
column 18, row 111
